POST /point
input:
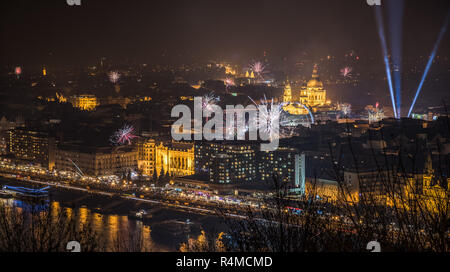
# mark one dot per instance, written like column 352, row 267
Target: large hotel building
column 236, row 162
column 32, row 145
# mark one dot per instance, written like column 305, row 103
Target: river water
column 163, row 230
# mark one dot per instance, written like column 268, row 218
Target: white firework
column 114, row 76
column 208, row 100
column 346, row 108
column 269, row 116
column 232, row 131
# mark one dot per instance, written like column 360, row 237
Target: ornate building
column 146, row 156
column 311, row 94
column 86, row 102
column 177, row 158
column 287, row 97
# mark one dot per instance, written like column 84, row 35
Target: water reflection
column 12, row 202
column 116, row 232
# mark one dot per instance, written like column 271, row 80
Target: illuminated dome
column 315, row 81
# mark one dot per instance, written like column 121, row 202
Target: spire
column 315, row 74
column 287, row 96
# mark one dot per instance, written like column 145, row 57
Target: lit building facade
column 280, row 163
column 84, row 102
column 5, row 127
column 32, row 145
column 233, row 164
column 176, row 158
column 325, row 190
column 205, row 150
column 122, row 101
column 96, row 161
column 146, row 156
column 287, row 96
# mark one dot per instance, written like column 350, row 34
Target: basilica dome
column 314, row 83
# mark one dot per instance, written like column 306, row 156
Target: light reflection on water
column 118, row 232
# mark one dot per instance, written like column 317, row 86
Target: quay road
column 152, row 195
column 165, row 202
column 144, row 200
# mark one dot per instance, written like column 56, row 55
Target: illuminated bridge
column 23, row 191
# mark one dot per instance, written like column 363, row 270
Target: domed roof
column 315, row 81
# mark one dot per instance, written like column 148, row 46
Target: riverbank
column 168, row 224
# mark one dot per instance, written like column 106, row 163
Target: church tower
column 287, row 97
column 313, row 91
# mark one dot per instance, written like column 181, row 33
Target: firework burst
column 229, row 82
column 123, row 136
column 346, row 71
column 269, row 116
column 258, row 68
column 114, row 76
column 208, row 100
column 232, row 131
column 345, row 108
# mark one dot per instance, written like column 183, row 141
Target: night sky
column 50, row 30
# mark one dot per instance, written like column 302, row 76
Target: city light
column 382, row 36
column 429, row 63
column 226, row 127
column 395, row 12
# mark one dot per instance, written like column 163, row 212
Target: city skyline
column 225, row 126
